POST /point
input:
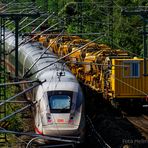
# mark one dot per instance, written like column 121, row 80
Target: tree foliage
column 105, row 17
column 93, row 17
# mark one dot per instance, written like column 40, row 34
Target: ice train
column 59, row 110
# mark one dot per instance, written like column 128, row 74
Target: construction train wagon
column 113, row 72
column 127, row 80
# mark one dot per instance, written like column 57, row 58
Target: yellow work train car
column 127, row 80
column 112, row 72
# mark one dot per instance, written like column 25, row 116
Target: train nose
column 60, row 124
column 59, row 129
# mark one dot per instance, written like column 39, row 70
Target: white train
column 59, row 110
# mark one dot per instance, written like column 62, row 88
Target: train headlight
column 49, row 120
column 71, row 120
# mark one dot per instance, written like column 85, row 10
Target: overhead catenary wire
column 21, row 82
column 117, row 5
column 14, row 3
column 18, row 111
column 63, row 57
column 95, row 63
column 24, row 91
column 5, row 10
column 41, row 55
column 127, row 23
column 25, row 42
column 9, row 35
column 17, row 6
column 46, row 137
column 16, row 137
column 7, row 4
column 14, row 101
column 124, row 49
column 22, row 109
column 42, row 23
column 34, row 20
column 25, row 8
column 121, row 8
column 56, row 34
column 26, row 18
column 20, row 12
column 8, row 22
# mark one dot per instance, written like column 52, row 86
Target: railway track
column 97, row 140
column 141, row 123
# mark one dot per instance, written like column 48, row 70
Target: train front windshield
column 60, row 101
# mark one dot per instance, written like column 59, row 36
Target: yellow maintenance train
column 112, row 72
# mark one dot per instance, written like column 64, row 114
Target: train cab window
column 131, row 69
column 60, row 101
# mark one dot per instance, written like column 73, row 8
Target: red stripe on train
column 38, row 131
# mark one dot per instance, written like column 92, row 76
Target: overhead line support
column 16, row 17
column 144, row 15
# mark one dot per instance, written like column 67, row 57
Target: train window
column 135, row 69
column 60, row 102
column 131, row 69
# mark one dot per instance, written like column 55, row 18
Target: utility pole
column 80, row 17
column 144, row 15
column 16, row 18
column 46, row 5
column 110, row 13
column 3, row 137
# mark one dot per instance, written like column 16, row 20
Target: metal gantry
column 144, row 15
column 16, row 17
column 6, row 18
